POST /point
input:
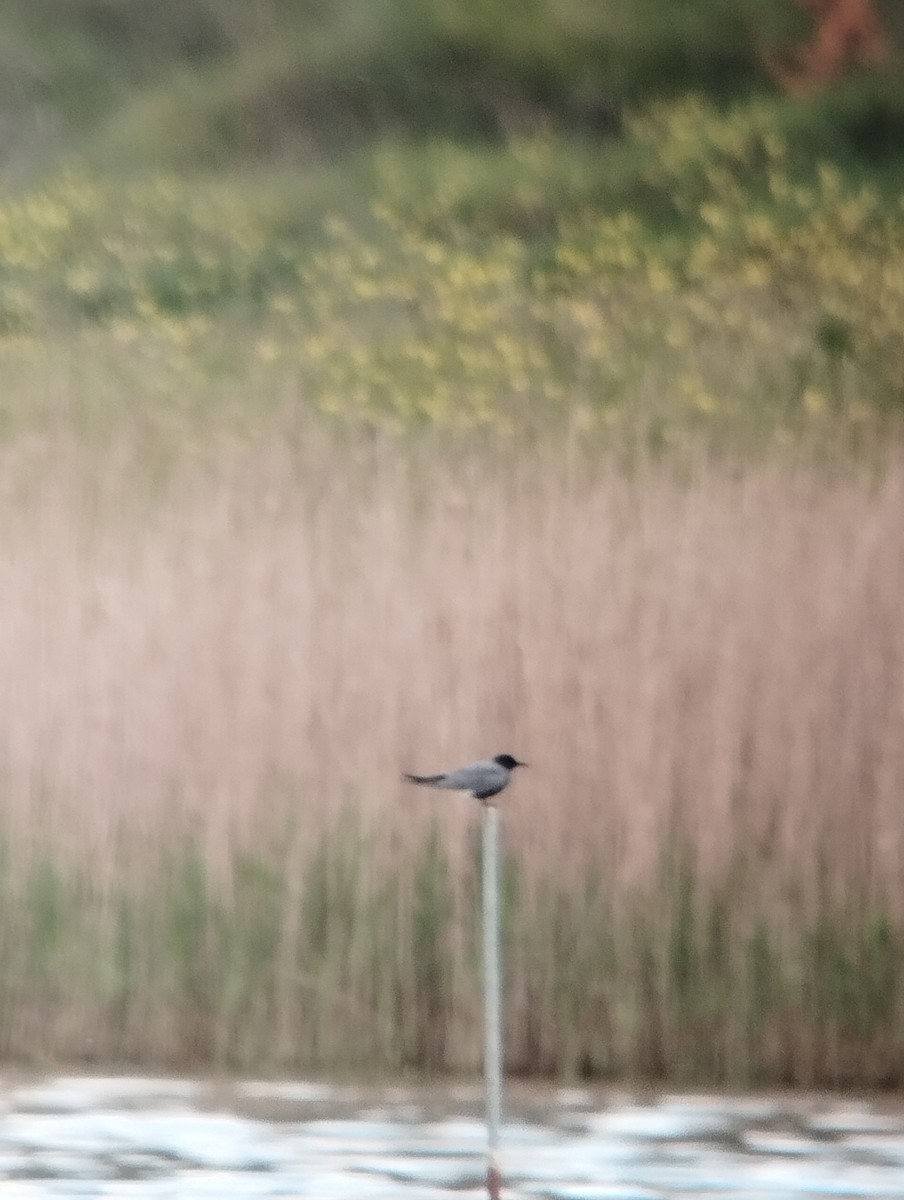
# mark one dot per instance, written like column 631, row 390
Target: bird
column 482, row 779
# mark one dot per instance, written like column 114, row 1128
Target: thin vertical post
column 492, row 995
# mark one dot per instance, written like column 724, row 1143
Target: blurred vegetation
column 701, row 274
column 413, row 212
column 216, row 79
column 191, row 82
column 402, row 214
column 369, row 971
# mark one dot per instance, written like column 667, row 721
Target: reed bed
column 211, row 681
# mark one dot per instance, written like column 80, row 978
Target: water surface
column 154, row 1138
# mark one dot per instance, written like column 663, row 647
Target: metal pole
column 492, row 996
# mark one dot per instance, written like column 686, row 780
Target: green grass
column 354, row 973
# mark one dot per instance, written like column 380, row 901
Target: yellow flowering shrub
column 746, row 289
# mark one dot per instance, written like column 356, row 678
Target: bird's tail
column 427, row 780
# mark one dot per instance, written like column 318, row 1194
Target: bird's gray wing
column 486, row 779
column 462, row 779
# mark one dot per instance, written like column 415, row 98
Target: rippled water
column 130, row 1137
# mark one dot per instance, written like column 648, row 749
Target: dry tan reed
column 705, row 670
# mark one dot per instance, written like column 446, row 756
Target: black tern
column 481, row 779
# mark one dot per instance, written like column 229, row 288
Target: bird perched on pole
column 482, row 779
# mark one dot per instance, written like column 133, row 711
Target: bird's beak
column 521, row 764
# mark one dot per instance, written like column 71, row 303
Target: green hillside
column 598, row 210
column 187, row 82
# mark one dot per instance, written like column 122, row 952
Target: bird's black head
column 506, row 760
